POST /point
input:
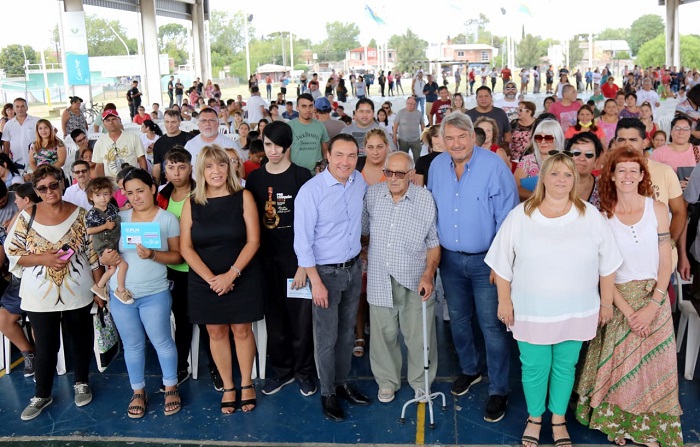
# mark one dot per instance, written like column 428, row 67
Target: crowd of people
column 352, row 213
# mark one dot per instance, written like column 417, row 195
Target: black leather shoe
column 351, row 395
column 331, row 408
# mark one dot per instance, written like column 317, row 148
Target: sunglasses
column 586, row 154
column 399, row 175
column 567, row 153
column 545, row 138
column 81, row 171
column 52, row 186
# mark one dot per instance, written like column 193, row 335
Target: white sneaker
column 385, row 395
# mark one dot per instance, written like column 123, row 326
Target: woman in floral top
column 548, row 138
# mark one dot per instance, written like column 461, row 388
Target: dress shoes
column 351, row 395
column 331, row 407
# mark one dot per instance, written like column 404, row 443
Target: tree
column 12, row 59
column 228, row 33
column 341, row 37
column 644, row 29
column 612, row 34
column 529, row 52
column 653, row 53
column 476, row 30
column 409, row 48
column 372, row 43
column 101, row 39
column 575, row 51
column 173, row 40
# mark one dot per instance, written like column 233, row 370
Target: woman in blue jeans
column 147, row 279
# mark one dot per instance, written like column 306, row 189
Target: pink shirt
column 674, row 159
column 566, row 115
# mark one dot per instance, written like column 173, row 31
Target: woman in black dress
column 220, row 235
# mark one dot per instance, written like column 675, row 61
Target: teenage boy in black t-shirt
column 289, row 326
column 173, row 137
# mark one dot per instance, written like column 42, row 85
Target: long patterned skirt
column 628, row 386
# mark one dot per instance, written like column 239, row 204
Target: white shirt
column 77, row 196
column 127, row 149
column 648, row 96
column 20, row 137
column 196, row 144
column 254, row 112
column 510, row 107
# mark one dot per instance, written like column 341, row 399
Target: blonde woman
column 48, row 148
column 225, row 285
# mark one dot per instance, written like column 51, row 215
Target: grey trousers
column 415, row 146
column 385, row 351
column 334, row 326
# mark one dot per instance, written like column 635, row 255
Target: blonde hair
column 213, row 153
column 377, row 132
column 538, row 196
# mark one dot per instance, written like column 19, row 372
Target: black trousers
column 77, row 326
column 290, row 344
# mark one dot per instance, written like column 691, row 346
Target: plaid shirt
column 401, row 234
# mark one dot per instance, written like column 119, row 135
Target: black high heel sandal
column 228, row 404
column 562, row 441
column 531, row 439
column 252, row 401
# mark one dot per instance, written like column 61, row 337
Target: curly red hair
column 606, row 185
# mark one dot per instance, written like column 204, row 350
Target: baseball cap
column 322, row 104
column 109, row 112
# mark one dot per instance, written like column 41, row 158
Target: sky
column 448, row 18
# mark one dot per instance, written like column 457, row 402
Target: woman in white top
column 360, row 88
column 628, row 387
column 551, row 305
column 48, row 247
column 150, row 132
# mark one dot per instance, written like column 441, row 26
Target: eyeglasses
column 681, row 129
column 545, row 138
column 399, row 175
column 579, row 153
column 386, row 108
column 81, row 171
column 234, row 161
column 567, row 153
column 52, row 186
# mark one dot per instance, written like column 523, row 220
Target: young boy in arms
column 103, row 225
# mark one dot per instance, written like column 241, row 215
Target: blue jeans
column 467, row 289
column 148, row 315
column 421, row 104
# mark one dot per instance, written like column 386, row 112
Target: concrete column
column 201, row 67
column 83, row 91
column 152, row 91
column 673, row 41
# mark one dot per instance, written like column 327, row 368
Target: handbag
column 106, row 345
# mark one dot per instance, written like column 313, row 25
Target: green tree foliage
column 575, row 51
column 173, row 40
column 372, row 43
column 644, row 29
column 12, row 59
column 101, row 39
column 341, row 37
column 529, row 51
column 613, row 34
column 409, row 48
column 653, row 53
column 227, row 33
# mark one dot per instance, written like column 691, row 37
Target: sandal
column 137, row 411
column 225, row 405
column 561, row 441
column 531, row 439
column 174, row 405
column 245, row 402
column 359, row 349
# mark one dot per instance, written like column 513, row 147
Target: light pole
column 247, row 19
column 120, row 39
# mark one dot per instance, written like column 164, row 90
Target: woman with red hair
column 628, row 388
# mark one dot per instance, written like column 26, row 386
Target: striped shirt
column 401, row 234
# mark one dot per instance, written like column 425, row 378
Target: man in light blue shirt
column 327, row 228
column 474, row 191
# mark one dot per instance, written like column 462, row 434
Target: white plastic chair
column 691, row 320
column 260, row 334
column 223, row 129
column 7, row 351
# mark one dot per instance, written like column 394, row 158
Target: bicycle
column 93, row 112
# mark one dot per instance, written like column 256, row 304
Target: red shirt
column 506, row 74
column 139, row 120
column 249, row 167
column 609, row 90
column 439, row 109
